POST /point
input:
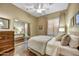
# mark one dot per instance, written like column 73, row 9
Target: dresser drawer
column 6, row 49
column 9, row 37
column 9, row 53
column 6, row 33
column 2, row 38
column 6, row 43
column 1, row 50
column 6, row 40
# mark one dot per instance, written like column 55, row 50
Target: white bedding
column 52, row 47
column 55, row 48
column 39, row 43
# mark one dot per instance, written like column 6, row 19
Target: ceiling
column 40, row 9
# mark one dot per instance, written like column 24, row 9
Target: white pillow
column 74, row 42
column 65, row 40
column 59, row 37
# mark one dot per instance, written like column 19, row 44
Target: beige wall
column 72, row 10
column 43, row 21
column 62, row 20
column 11, row 12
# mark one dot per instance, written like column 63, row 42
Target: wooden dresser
column 6, row 41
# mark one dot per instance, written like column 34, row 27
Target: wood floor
column 28, row 53
column 24, row 53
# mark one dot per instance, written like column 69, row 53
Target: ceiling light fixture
column 39, row 10
column 39, row 7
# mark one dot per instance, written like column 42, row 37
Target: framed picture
column 4, row 23
column 40, row 27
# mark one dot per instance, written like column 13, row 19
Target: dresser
column 6, row 41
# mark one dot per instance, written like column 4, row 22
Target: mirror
column 19, row 27
column 4, row 23
column 75, row 20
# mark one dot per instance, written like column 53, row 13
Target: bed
column 54, row 48
column 48, row 45
column 37, row 44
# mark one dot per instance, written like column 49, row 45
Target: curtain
column 53, row 26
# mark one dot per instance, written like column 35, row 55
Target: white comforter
column 39, row 43
column 55, row 48
column 52, row 47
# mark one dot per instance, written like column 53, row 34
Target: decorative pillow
column 59, row 37
column 65, row 40
column 74, row 42
column 78, row 47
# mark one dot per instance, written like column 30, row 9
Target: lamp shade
column 61, row 29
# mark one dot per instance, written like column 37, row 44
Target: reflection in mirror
column 4, row 23
column 21, row 31
column 72, row 22
column 21, row 28
column 77, row 19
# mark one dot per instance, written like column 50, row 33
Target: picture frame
column 40, row 27
column 4, row 23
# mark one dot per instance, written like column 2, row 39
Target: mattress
column 39, row 43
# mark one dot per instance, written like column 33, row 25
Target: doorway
column 21, row 31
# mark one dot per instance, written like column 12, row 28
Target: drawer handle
column 0, row 37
